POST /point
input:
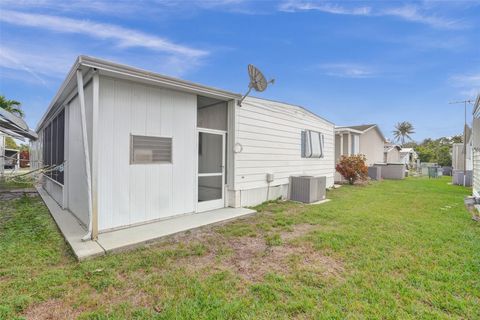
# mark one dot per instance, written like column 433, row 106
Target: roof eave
column 165, row 81
column 346, row 130
column 131, row 73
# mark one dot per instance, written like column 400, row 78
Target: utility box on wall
column 394, row 171
column 375, row 173
column 307, row 189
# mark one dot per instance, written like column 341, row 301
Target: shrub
column 353, row 168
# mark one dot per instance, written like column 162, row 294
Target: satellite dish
column 257, row 81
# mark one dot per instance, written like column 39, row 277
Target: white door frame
column 217, row 203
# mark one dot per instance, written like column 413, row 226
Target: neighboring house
column 475, row 148
column 408, row 156
column 458, row 161
column 392, row 153
column 11, row 159
column 2, row 153
column 364, row 139
column 158, row 147
column 15, row 127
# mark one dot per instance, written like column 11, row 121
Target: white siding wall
column 475, row 155
column 77, row 197
column 130, row 194
column 270, row 134
column 476, row 173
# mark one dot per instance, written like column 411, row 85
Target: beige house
column 365, row 139
column 392, row 153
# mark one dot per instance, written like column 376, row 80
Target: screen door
column 211, row 169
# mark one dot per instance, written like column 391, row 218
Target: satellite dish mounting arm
column 245, row 95
column 257, row 82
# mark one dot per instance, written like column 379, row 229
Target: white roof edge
column 379, row 131
column 290, row 105
column 156, row 77
column 347, row 129
column 125, row 70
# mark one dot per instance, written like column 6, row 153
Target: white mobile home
column 135, row 147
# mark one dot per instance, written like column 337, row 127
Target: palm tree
column 11, row 106
column 403, row 130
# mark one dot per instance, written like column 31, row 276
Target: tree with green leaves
column 403, row 130
column 12, row 106
column 10, row 143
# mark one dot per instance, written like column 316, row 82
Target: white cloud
column 412, row 13
column 10, row 60
column 293, row 6
column 347, row 70
column 409, row 12
column 123, row 7
column 35, row 64
column 469, row 84
column 123, row 37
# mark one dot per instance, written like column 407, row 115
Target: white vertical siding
column 77, row 197
column 213, row 117
column 476, row 172
column 130, row 194
column 270, row 134
column 475, row 153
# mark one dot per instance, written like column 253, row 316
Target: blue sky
column 352, row 62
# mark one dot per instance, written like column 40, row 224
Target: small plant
column 353, row 168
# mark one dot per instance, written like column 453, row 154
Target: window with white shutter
column 313, row 144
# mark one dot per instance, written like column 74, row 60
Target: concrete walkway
column 135, row 236
column 132, row 237
column 71, row 229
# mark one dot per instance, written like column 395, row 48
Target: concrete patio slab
column 71, row 229
column 319, row 202
column 133, row 237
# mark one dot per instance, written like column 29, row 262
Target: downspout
column 83, row 118
column 95, row 104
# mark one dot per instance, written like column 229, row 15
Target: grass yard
column 394, row 249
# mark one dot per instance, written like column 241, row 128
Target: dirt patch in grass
column 251, row 258
column 63, row 308
column 51, row 309
column 17, row 194
column 298, row 230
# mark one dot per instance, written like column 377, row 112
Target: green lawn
column 393, row 249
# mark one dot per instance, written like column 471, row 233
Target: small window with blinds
column 148, row 149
